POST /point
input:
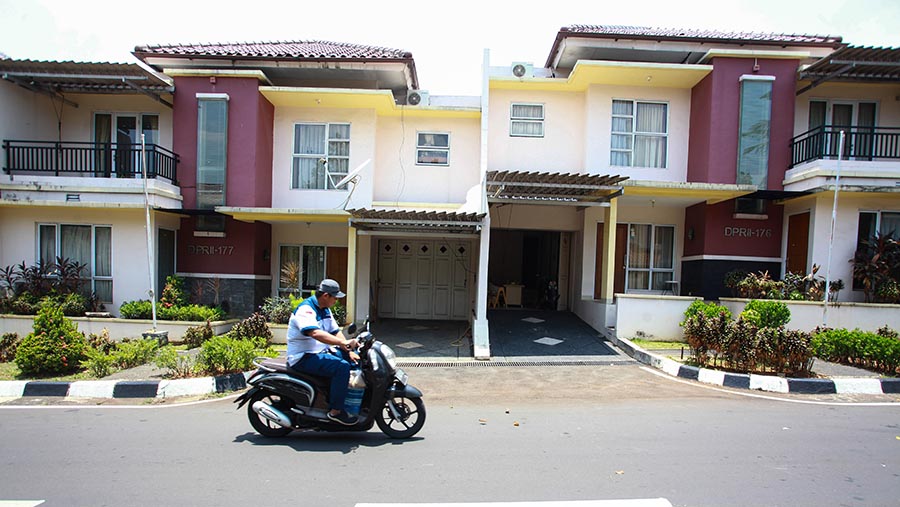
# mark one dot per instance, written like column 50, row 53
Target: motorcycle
column 282, row 399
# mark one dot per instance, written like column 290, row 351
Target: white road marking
column 772, row 398
column 647, row 502
column 20, row 503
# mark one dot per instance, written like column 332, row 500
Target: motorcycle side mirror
column 352, row 328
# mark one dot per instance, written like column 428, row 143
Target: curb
column 753, row 381
column 124, row 388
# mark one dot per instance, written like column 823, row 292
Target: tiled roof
column 303, row 50
column 643, row 32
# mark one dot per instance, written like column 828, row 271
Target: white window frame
column 652, row 270
column 422, row 148
column 57, row 228
column 295, row 182
column 634, row 133
column 516, row 120
column 300, row 290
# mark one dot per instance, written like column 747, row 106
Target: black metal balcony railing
column 860, row 143
column 100, row 160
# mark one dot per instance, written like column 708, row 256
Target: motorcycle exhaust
column 271, row 413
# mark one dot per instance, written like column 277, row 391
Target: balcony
column 85, row 159
column 860, row 144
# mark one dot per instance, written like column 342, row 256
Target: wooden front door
column 798, row 243
column 336, row 265
column 618, row 265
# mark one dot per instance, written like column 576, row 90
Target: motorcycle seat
column 279, row 364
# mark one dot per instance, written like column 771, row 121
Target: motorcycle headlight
column 389, row 356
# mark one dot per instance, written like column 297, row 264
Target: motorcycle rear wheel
column 412, row 417
column 262, row 425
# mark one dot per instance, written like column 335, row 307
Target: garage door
column 424, row 279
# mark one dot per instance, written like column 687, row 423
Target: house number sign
column 747, row 232
column 210, row 250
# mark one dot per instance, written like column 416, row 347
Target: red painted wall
column 250, row 130
column 715, row 116
column 243, row 250
column 717, row 232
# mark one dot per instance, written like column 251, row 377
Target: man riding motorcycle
column 312, row 336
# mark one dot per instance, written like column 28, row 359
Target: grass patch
column 657, row 345
column 9, row 371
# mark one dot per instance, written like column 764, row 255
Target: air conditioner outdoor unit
column 417, row 98
column 522, row 69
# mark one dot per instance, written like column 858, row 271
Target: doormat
column 548, row 341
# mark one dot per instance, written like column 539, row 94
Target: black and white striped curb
column 124, row 388
column 769, row 383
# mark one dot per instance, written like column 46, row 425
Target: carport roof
column 552, row 188
column 415, row 221
column 854, row 64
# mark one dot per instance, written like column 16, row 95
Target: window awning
column 856, row 64
column 415, row 221
column 59, row 78
column 515, row 187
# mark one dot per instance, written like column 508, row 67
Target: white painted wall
column 129, row 263
column 807, row 315
column 363, row 140
column 399, row 179
column 25, row 115
column 651, row 317
column 845, row 234
column 598, row 131
column 536, row 217
column 78, row 124
column 561, row 149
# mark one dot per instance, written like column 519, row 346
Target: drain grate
column 500, row 364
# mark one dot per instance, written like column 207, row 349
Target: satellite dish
column 352, row 175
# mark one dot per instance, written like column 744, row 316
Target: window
column 639, row 134
column 212, row 149
column 432, row 149
column 321, row 155
column 526, row 120
column 301, row 268
column 753, row 139
column 872, row 225
column 90, row 245
column 650, row 256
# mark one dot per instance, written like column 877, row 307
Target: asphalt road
column 528, row 434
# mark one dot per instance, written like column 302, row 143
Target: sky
column 447, row 39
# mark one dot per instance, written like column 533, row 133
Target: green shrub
column 858, row 348
column 769, row 313
column 173, row 292
column 73, row 304
column 196, row 335
column 708, row 309
column 179, row 365
column 101, row 342
column 143, row 309
column 9, row 342
column 253, row 326
column 25, row 304
column 887, row 332
column 224, row 354
column 140, row 309
column 277, row 310
column 55, row 345
column 129, row 354
column 97, row 363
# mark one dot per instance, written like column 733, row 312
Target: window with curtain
column 650, row 259
column 432, row 148
column 90, row 245
column 212, row 151
column 753, row 138
column 321, row 155
column 289, row 269
column 526, row 120
column 313, row 267
column 639, row 134
column 301, row 268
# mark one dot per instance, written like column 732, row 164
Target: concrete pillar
column 351, row 274
column 610, row 218
column 480, row 332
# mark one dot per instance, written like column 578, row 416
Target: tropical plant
column 253, row 326
column 875, row 262
column 277, row 310
column 766, row 313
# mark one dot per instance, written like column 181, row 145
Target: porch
column 89, row 159
column 867, row 143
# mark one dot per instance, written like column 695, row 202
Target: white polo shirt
column 307, row 317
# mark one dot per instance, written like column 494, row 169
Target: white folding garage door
column 424, row 279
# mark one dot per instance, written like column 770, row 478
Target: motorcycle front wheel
column 262, row 425
column 411, row 412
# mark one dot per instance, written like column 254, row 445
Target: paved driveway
column 516, row 335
